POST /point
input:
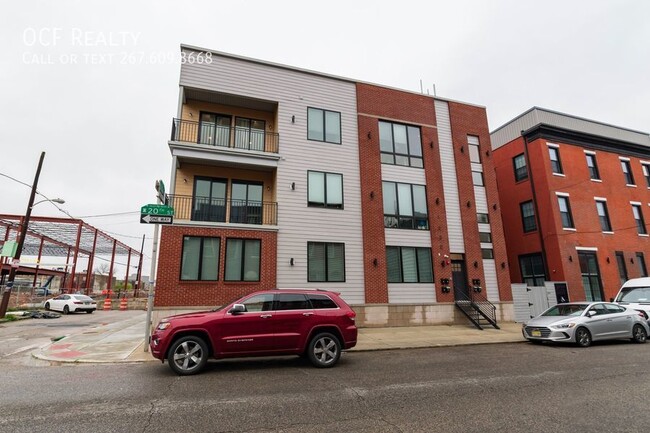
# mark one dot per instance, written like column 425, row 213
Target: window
column 521, row 170
column 627, row 172
column 474, row 149
column 590, row 276
column 320, row 302
column 209, row 199
column 528, row 216
column 325, row 262
column 292, row 301
column 485, row 237
column 323, row 125
column 487, row 253
column 483, row 218
column 554, row 154
column 603, row 215
column 640, row 260
column 638, row 217
column 565, row 212
column 646, row 173
column 246, row 202
column 214, row 129
column 400, row 144
column 405, row 206
column 200, row 259
column 249, row 134
column 259, row 303
column 532, row 270
column 325, row 189
column 242, row 260
column 592, row 165
column 622, row 270
column 409, row 265
column 477, row 178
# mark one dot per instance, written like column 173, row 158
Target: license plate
column 536, row 333
column 86, row 303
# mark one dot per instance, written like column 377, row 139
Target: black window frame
column 418, row 272
column 325, row 204
column 646, row 173
column 594, row 173
column 327, row 264
column 487, row 253
column 556, row 164
column 408, row 155
column 521, row 172
column 640, row 221
column 536, row 278
column 626, row 167
column 246, row 211
column 415, row 221
column 640, row 260
column 200, row 270
column 483, row 218
column 568, row 213
column 243, row 261
column 592, row 277
column 528, row 222
column 249, row 129
column 622, row 268
column 323, row 115
column 605, row 222
column 200, row 215
column 488, row 239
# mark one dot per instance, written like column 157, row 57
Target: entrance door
column 214, row 129
column 246, row 203
column 459, row 277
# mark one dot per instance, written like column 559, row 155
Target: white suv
column 635, row 293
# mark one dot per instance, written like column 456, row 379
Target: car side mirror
column 591, row 313
column 237, row 308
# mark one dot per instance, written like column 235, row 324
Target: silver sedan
column 584, row 322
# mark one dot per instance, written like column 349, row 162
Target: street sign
column 160, row 189
column 156, row 214
column 9, row 249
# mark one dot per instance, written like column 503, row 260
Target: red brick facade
column 171, row 291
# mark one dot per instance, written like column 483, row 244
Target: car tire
column 188, row 355
column 583, row 337
column 324, row 350
column 639, row 334
column 536, row 342
column 66, row 309
column 47, row 306
column 89, row 311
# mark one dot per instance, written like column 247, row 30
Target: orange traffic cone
column 123, row 304
column 108, row 305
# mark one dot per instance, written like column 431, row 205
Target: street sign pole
column 150, row 292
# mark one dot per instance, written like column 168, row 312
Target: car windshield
column 634, row 294
column 83, row 298
column 565, row 310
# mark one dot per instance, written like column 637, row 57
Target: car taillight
column 78, row 303
column 351, row 315
column 643, row 314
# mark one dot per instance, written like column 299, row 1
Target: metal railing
column 476, row 307
column 237, row 137
column 187, row 207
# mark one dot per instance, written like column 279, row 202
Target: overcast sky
column 95, row 85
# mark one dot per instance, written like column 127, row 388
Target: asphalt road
column 490, row 388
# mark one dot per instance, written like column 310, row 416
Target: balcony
column 187, row 207
column 226, row 137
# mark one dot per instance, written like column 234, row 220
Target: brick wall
column 171, row 291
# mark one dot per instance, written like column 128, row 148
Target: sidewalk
column 124, row 341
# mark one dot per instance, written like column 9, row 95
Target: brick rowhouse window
column 627, row 171
column 409, row 265
column 528, row 216
column 400, row 144
column 590, row 276
column 325, row 189
column 325, row 262
column 565, row 212
column 521, row 170
column 200, row 259
column 243, row 259
column 592, row 165
column 474, row 149
column 405, row 206
column 532, row 270
column 640, row 260
column 323, row 125
column 554, row 155
column 638, row 217
column 646, row 173
column 603, row 215
column 622, row 269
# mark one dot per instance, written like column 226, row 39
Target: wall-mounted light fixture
column 462, row 149
column 369, row 135
column 437, row 200
column 374, row 262
column 372, row 194
column 571, row 258
column 632, row 260
column 293, row 186
column 431, row 144
column 291, row 261
column 503, row 265
column 487, row 152
column 494, row 206
column 293, row 119
column 475, row 264
column 268, row 188
column 469, row 203
column 607, row 259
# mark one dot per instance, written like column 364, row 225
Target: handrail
column 197, row 208
column 208, row 133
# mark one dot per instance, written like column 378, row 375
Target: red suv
column 315, row 323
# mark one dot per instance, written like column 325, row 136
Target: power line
column 110, row 214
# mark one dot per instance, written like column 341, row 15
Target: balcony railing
column 224, row 136
column 187, row 207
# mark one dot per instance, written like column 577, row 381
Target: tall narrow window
column 532, row 269
column 603, row 215
column 590, row 276
column 325, row 189
column 246, row 202
column 249, row 133
column 554, row 155
column 325, row 262
column 521, row 170
column 243, row 259
column 474, row 149
column 528, row 216
column 400, row 144
column 405, row 206
column 627, row 171
column 622, row 270
column 200, row 258
column 592, row 165
column 209, row 199
column 638, row 217
column 565, row 212
column 323, row 125
column 646, row 173
column 640, row 260
column 409, row 265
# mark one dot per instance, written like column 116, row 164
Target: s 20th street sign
column 156, row 214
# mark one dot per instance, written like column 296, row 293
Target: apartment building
column 283, row 177
column 574, row 196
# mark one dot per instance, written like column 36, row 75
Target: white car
column 635, row 294
column 71, row 304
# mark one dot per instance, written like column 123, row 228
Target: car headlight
column 564, row 326
column 163, row 325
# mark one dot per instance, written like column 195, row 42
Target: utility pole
column 23, row 233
